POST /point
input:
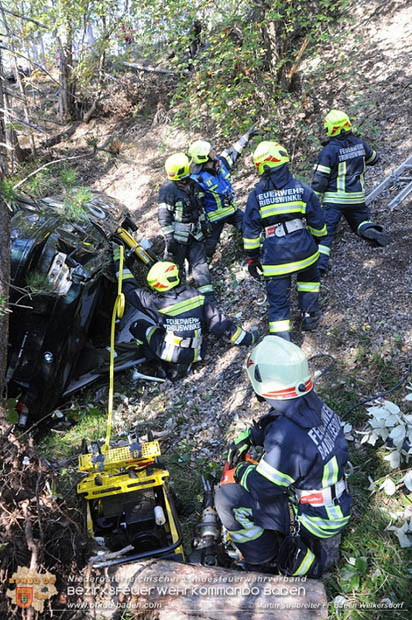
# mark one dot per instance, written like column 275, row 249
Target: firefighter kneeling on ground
column 278, row 511
column 288, row 215
column 174, row 319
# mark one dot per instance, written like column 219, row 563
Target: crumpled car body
column 61, row 295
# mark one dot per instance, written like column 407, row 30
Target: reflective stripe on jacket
column 183, row 313
column 219, row 196
column 278, row 197
column 180, row 211
column 339, row 171
column 304, row 448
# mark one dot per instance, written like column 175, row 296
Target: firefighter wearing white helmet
column 282, row 227
column 304, row 459
column 339, row 182
column 172, row 320
column 212, row 173
column 183, row 222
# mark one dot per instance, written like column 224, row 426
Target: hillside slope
column 366, row 297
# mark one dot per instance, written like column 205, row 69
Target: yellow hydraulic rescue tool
column 128, row 498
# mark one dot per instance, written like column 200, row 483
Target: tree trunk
column 270, row 30
column 66, row 97
column 171, row 591
column 3, row 145
column 19, row 80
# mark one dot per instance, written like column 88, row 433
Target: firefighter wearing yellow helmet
column 286, row 214
column 339, row 183
column 212, row 173
column 172, row 320
column 183, row 221
column 304, row 458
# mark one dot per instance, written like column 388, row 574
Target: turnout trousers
column 236, row 219
column 239, row 513
column 358, row 218
column 195, row 254
column 278, row 294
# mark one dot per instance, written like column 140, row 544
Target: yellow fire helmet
column 199, row 151
column 269, row 155
column 163, row 276
column 335, row 122
column 278, row 369
column 177, row 166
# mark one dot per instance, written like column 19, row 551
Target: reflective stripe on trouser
column 195, row 254
column 308, row 285
column 235, row 509
column 278, row 294
column 236, row 219
column 324, row 528
column 306, row 563
column 357, row 217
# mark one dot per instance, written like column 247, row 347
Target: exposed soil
column 366, row 297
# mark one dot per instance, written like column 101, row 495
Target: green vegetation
column 38, row 282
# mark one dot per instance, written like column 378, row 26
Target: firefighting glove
column 257, row 430
column 254, row 268
column 254, row 131
column 242, row 469
column 206, row 228
column 171, row 246
column 254, row 332
column 238, row 448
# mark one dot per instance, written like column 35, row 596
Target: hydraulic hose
column 118, row 311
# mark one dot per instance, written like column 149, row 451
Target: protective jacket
column 305, row 454
column 287, row 214
column 180, row 319
column 219, row 199
column 180, row 211
column 339, row 171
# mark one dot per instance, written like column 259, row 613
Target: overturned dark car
column 62, row 291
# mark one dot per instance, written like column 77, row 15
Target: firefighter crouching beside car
column 174, row 319
column 279, row 510
column 212, row 173
column 183, row 221
column 339, row 181
column 288, row 214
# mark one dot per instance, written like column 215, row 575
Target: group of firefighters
column 279, row 510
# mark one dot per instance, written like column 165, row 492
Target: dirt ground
column 366, row 296
column 367, row 291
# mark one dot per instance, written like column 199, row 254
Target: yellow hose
column 118, row 311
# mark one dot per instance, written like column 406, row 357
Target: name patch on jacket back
column 280, row 195
column 324, row 436
column 351, row 152
column 182, row 324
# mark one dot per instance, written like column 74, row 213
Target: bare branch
column 3, row 47
column 150, row 69
column 55, row 161
column 27, row 19
column 20, row 120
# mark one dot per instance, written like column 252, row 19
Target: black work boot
column 310, row 321
column 177, row 371
column 373, row 234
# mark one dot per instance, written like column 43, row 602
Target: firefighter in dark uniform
column 287, row 213
column 173, row 319
column 279, row 510
column 183, row 221
column 339, row 181
column 212, row 173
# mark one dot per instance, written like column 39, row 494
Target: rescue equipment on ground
column 127, row 493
